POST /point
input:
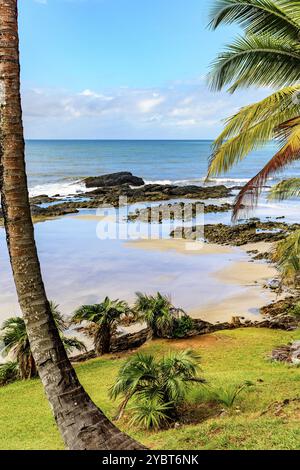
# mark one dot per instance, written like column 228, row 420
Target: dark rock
column 52, row 211
column 114, row 179
column 42, row 199
column 289, row 353
column 281, row 307
column 240, row 234
column 178, row 210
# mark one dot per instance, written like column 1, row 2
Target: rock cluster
column 178, row 210
column 114, row 179
column 289, row 353
column 241, row 234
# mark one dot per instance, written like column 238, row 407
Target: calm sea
column 57, row 166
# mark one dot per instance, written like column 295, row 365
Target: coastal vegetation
column 268, row 55
column 158, row 386
column 102, row 321
column 228, row 359
column 82, row 425
column 158, row 312
column 14, row 336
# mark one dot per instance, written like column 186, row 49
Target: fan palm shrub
column 268, row 55
column 9, row 372
column 161, row 316
column 158, row 386
column 16, row 343
column 155, row 310
column 102, row 321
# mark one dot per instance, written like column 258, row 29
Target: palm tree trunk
column 81, row 423
column 102, row 340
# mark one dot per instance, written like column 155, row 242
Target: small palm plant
column 9, row 372
column 158, row 386
column 102, row 321
column 155, row 310
column 16, row 342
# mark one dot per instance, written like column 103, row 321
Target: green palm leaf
column 256, row 60
column 280, row 18
column 286, row 189
column 287, row 256
column 251, row 128
column 290, row 152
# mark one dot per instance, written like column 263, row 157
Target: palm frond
column 238, row 147
column 248, row 196
column 287, row 257
column 279, row 18
column 72, row 343
column 280, row 106
column 150, row 414
column 9, row 372
column 286, row 189
column 256, row 60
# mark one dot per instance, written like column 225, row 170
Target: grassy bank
column 228, row 357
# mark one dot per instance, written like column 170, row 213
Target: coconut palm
column 16, row 342
column 102, row 321
column 267, row 55
column 159, row 386
column 81, row 423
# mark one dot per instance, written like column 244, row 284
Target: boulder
column 287, row 353
column 42, row 199
column 114, row 179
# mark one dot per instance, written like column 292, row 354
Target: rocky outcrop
column 52, row 211
column 241, row 234
column 156, row 192
column 114, row 179
column 179, row 210
column 42, row 199
column 281, row 307
column 288, row 353
column 281, row 315
column 281, row 322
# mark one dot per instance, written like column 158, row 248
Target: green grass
column 228, row 358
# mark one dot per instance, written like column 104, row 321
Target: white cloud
column 149, row 104
column 178, row 110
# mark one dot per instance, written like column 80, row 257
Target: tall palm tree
column 81, row 423
column 103, row 320
column 16, row 342
column 267, row 55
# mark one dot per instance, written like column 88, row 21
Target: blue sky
column 121, row 69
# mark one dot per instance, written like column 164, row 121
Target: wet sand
column 213, row 282
column 181, row 246
column 251, row 276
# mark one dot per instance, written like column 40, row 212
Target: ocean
column 57, row 166
column 79, row 267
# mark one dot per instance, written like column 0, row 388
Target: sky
column 122, row 69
